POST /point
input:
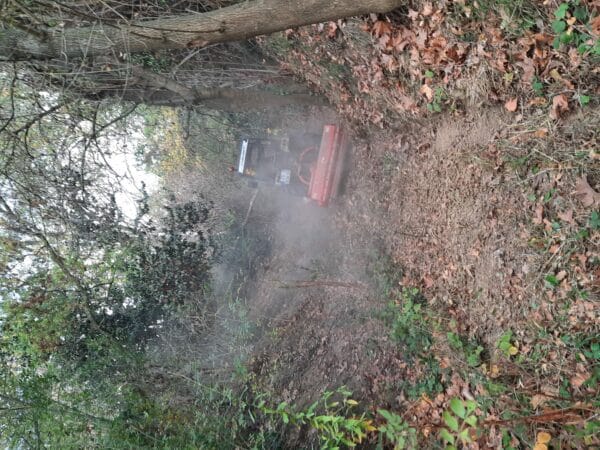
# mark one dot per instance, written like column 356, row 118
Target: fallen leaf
column 579, row 378
column 421, row 39
column 427, row 281
column 538, row 219
column 581, row 258
column 554, row 73
column 567, row 216
column 574, row 57
column 561, row 275
column 538, row 400
column 414, row 15
column 426, row 91
column 381, row 27
column 595, row 25
column 332, row 28
column 560, row 105
column 541, row 133
column 528, row 69
column 399, row 42
column 511, row 105
column 540, row 447
column 588, row 196
column 427, row 9
column 537, row 101
column 408, row 104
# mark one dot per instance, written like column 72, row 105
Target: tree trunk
column 238, row 22
column 139, row 85
column 221, row 99
column 159, row 90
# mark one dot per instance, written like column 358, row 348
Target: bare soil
column 433, row 200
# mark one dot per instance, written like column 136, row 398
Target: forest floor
column 462, row 261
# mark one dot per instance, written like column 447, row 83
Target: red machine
column 326, row 171
column 271, row 161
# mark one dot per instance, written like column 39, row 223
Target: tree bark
column 221, row 99
column 155, row 89
column 238, row 22
column 141, row 86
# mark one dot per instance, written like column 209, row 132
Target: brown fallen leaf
column 427, row 281
column 587, row 195
column 528, row 69
column 579, row 378
column 538, row 400
column 427, row 9
column 381, row 27
column 560, row 105
column 511, row 105
column 332, row 29
column 595, row 25
column 414, row 15
column 537, row 101
column 421, row 39
column 426, row 91
column 567, row 216
column 538, row 219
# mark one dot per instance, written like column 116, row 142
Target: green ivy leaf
column 556, row 43
column 552, row 281
column 473, row 358
column 450, row 420
column 464, row 435
column 454, row 340
column 471, row 406
column 567, row 38
column 385, row 414
column 559, row 26
column 581, row 14
column 446, row 436
column 584, row 100
column 561, row 11
column 471, row 420
column 458, row 408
